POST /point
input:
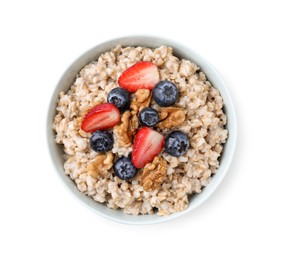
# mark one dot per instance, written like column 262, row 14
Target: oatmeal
column 192, row 118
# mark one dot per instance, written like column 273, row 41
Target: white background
column 244, row 219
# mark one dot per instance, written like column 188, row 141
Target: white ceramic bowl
column 68, row 78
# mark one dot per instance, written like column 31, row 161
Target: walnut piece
column 129, row 119
column 126, row 130
column 133, row 125
column 171, row 117
column 154, row 174
column 100, row 165
column 142, row 99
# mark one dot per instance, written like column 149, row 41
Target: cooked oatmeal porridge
column 165, row 182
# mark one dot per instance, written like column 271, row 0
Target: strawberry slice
column 148, row 143
column 100, row 117
column 143, row 74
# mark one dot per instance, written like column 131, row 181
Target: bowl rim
column 230, row 108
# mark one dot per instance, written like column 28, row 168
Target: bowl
column 180, row 51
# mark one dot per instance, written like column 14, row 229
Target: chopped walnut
column 154, row 174
column 100, row 165
column 133, row 125
column 129, row 120
column 122, row 130
column 126, row 130
column 142, row 99
column 171, row 117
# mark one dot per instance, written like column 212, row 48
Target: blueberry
column 101, row 141
column 165, row 93
column 148, row 117
column 120, row 98
column 176, row 143
column 124, row 169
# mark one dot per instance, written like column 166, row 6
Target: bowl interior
column 180, row 51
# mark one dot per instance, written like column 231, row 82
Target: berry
column 165, row 93
column 143, row 74
column 120, row 98
column 147, row 144
column 100, row 117
column 124, row 169
column 101, row 141
column 177, row 143
column 148, row 117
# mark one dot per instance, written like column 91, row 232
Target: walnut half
column 141, row 100
column 154, row 174
column 100, row 165
column 127, row 128
column 171, row 117
column 129, row 119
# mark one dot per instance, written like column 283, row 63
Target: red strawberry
column 148, row 143
column 143, row 74
column 100, row 117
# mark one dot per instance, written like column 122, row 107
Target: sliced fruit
column 101, row 117
column 143, row 74
column 148, row 143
